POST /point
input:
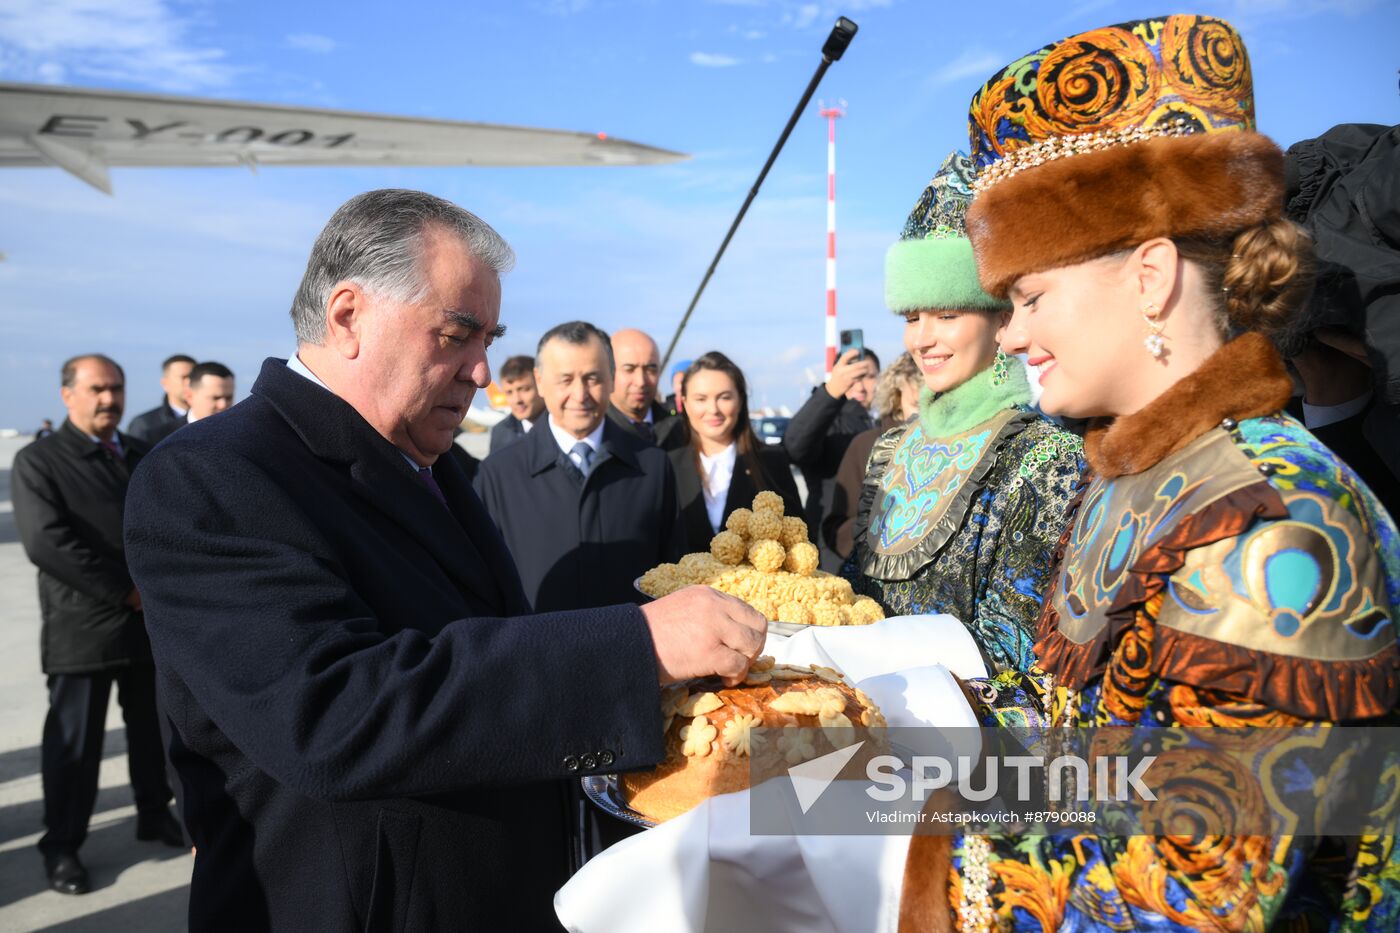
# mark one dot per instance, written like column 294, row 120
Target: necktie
column 645, row 429
column 426, row 475
column 582, row 455
column 112, row 450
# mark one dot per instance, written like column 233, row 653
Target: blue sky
column 204, row 261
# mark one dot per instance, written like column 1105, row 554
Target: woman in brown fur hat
column 1222, row 568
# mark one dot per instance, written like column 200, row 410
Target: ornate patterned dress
column 960, row 511
column 1223, row 568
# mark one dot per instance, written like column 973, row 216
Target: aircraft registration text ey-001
column 90, row 127
column 86, row 131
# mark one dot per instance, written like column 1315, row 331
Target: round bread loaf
column 711, row 739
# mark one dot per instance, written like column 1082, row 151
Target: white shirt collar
column 179, row 412
column 566, row 441
column 295, row 364
column 116, row 440
column 1319, row 416
column 724, row 460
column 719, row 474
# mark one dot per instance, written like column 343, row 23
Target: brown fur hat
column 1111, row 137
column 1088, row 205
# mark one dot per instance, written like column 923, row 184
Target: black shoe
column 66, row 874
column 160, row 827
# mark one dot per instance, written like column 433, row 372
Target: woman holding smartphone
column 1223, row 571
column 960, row 508
column 719, row 462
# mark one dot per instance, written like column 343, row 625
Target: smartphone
column 852, row 340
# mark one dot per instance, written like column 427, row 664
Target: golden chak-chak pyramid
column 766, row 560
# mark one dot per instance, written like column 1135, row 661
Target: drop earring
column 1153, row 342
column 1000, row 370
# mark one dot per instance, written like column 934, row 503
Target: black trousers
column 72, row 750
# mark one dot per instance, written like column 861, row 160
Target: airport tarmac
column 137, row 886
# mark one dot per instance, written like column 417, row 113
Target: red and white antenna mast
column 832, row 114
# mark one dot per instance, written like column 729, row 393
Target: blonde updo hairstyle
column 903, row 371
column 1256, row 280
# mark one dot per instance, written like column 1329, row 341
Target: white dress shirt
column 718, row 474
column 116, row 442
column 566, row 441
column 295, row 364
column 1319, row 416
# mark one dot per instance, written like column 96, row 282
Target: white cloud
column 1296, row 9
column 311, row 42
column 712, row 60
column 804, row 15
column 564, row 7
column 973, row 63
column 141, row 41
column 51, row 73
column 755, row 34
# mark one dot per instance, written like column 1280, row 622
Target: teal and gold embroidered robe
column 961, row 509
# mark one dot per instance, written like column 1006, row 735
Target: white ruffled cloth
column 704, row 871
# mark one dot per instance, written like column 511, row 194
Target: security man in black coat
column 160, row 422
column 818, row 435
column 585, row 506
column 373, row 732
column 69, row 489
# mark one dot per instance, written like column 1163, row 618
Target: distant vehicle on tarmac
column 771, row 430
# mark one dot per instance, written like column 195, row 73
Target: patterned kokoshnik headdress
column 1112, row 137
column 931, row 267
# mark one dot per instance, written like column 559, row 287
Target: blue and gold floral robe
column 1223, row 568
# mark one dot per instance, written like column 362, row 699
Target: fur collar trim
column 975, row 401
column 1243, row 379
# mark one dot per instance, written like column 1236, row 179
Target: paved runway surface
column 137, row 886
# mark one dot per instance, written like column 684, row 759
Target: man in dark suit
column 634, row 407
column 209, row 389
column 585, row 506
column 517, row 380
column 155, row 425
column 368, row 739
column 69, row 490
column 818, row 435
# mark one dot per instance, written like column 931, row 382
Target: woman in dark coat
column 720, row 463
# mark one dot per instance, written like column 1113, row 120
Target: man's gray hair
column 578, row 333
column 375, row 240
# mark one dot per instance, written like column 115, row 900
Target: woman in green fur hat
column 961, row 507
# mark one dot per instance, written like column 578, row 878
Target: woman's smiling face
column 1078, row 341
column 950, row 346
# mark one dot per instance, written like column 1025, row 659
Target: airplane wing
column 85, row 131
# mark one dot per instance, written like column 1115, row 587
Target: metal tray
column 606, row 795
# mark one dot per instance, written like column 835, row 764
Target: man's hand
column 844, row 373
column 699, row 631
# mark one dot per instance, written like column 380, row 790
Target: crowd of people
column 378, row 661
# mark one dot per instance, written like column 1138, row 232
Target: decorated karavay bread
column 766, row 560
column 782, row 714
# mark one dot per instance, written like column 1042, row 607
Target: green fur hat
column 932, row 266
